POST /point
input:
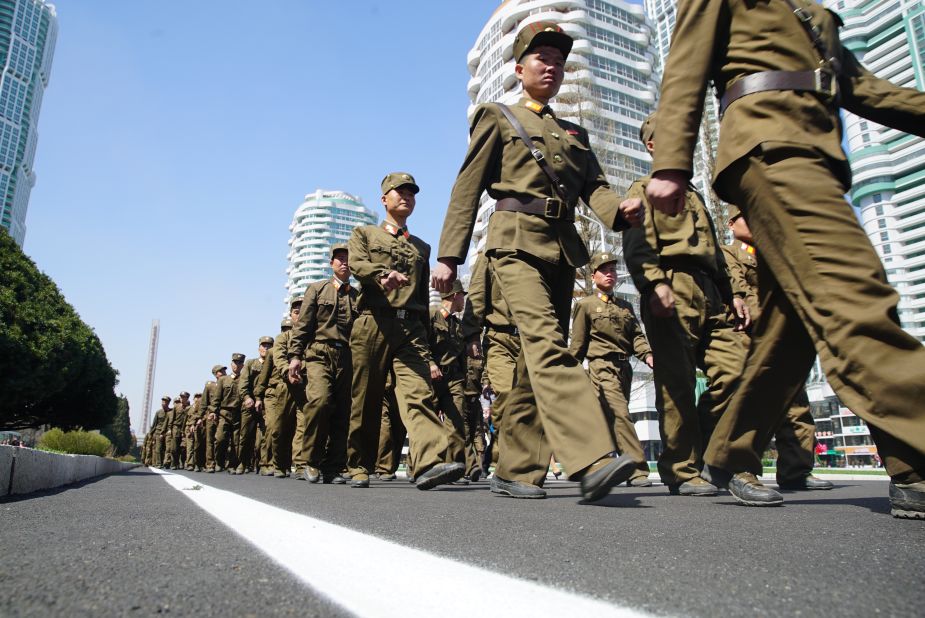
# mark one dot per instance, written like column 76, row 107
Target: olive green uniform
column 176, row 421
column 158, row 430
column 281, row 401
column 606, row 332
column 209, row 422
column 226, row 405
column 392, row 434
column 321, row 338
column 472, row 412
column 391, row 333
column 822, row 289
column 448, row 350
column 796, row 437
column 195, row 437
column 683, row 252
column 251, row 418
column 533, row 260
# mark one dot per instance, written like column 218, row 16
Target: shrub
column 75, row 442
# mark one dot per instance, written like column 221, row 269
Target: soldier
column 209, row 393
column 533, row 250
column 195, row 434
column 796, row 436
column 391, row 333
column 226, row 408
column 677, row 265
column 251, row 408
column 147, row 449
column 322, row 337
column 782, row 73
column 281, row 399
column 448, row 349
column 392, row 434
column 473, row 416
column 159, row 430
column 606, row 332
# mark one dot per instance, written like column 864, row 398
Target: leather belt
column 392, row 312
column 332, row 343
column 821, row 81
column 550, row 208
column 691, row 269
column 510, row 329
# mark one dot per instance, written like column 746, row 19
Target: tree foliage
column 75, row 443
column 53, row 369
column 119, row 431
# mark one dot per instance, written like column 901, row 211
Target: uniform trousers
column 247, row 437
column 822, row 289
column 328, row 369
column 226, row 455
column 282, row 402
column 795, row 440
column 613, row 380
column 475, row 432
column 392, row 434
column 449, row 399
column 380, row 343
column 699, row 334
column 501, row 351
column 209, row 439
column 552, row 405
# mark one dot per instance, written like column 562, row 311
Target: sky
column 177, row 139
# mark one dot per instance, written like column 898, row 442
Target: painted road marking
column 433, row 580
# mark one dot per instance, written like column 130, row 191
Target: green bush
column 75, row 442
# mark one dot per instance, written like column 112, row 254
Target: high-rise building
column 324, row 219
column 888, row 36
column 28, row 30
column 662, row 14
column 609, row 86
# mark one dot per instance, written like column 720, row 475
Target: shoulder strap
column 812, row 31
column 537, row 154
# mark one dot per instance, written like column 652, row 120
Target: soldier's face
column 399, row 202
column 605, row 277
column 740, row 230
column 263, row 349
column 165, row 404
column 294, row 313
column 459, row 301
column 541, row 72
column 339, row 264
column 236, row 367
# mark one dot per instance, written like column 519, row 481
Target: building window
column 884, row 236
column 887, row 249
column 877, row 198
column 879, row 211
column 881, row 224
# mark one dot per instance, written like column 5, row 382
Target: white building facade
column 888, row 36
column 28, row 31
column 324, row 219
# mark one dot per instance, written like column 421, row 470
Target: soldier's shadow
column 872, row 504
column 612, row 501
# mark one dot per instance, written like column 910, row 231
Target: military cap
column 398, row 179
column 341, row 246
column 237, row 357
column 541, row 33
column 267, row 340
column 733, row 212
column 176, row 400
column 197, row 396
column 217, row 368
column 647, row 130
column 456, row 289
column 602, row 257
column 286, row 324
column 296, row 300
column 165, row 398
column 184, row 394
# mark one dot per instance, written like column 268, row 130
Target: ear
column 519, row 71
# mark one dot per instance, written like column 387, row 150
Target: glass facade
column 28, row 30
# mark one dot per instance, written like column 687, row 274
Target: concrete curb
column 24, row 470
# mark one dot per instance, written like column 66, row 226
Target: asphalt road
column 131, row 544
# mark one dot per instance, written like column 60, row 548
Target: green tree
column 53, row 369
column 119, row 431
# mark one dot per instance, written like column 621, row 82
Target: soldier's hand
column 248, row 402
column 474, row 347
column 211, row 416
column 260, row 405
column 435, row 373
column 740, row 314
column 661, row 301
column 393, row 281
column 666, row 191
column 443, row 275
column 633, row 211
column 295, row 371
column 650, row 361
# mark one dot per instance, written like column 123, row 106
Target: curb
column 24, row 470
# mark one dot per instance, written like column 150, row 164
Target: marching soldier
column 391, row 333
column 226, row 407
column 796, row 436
column 677, row 265
column 251, row 409
column 533, row 250
column 195, row 434
column 322, row 337
column 159, row 431
column 606, row 332
column 782, row 73
column 473, row 416
column 209, row 393
column 448, row 349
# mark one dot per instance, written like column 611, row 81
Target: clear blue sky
column 176, row 139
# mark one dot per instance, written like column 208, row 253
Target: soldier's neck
column 397, row 221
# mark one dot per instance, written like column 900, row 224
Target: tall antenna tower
column 149, row 375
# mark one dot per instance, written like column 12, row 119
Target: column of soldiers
column 359, row 371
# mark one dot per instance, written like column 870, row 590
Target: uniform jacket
column 327, row 314
column 497, row 161
column 275, row 368
column 743, row 272
column 724, row 40
column 604, row 327
column 247, row 382
column 447, row 345
column 485, row 306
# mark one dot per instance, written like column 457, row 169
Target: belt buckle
column 553, row 208
column 825, row 82
column 401, row 314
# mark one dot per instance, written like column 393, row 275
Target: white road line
column 326, row 557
